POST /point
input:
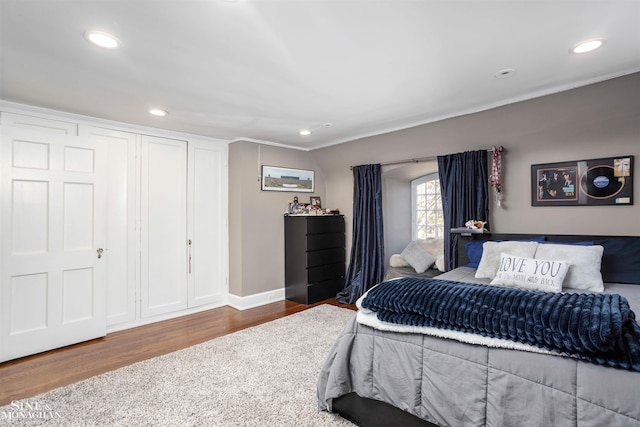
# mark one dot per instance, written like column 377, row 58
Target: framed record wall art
column 606, row 181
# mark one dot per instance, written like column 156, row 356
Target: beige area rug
column 261, row 376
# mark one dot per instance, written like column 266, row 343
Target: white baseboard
column 256, row 300
column 239, row 303
column 159, row 318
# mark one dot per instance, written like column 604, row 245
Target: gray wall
column 256, row 224
column 600, row 120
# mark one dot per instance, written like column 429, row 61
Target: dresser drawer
column 325, row 241
column 328, row 224
column 324, row 290
column 326, row 272
column 325, row 256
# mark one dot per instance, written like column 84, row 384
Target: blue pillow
column 569, row 243
column 621, row 260
column 474, row 252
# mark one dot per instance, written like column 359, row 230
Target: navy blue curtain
column 465, row 196
column 366, row 267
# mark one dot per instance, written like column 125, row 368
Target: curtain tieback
column 496, row 169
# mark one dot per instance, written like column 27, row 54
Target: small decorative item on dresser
column 315, row 201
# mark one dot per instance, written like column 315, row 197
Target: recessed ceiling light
column 101, row 39
column 587, row 46
column 305, row 132
column 158, row 112
column 503, row 74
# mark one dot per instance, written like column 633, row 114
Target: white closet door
column 207, row 223
column 164, row 261
column 52, row 226
column 122, row 210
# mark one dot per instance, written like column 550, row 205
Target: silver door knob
column 100, row 250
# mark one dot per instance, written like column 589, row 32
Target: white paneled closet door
column 52, row 236
column 207, row 222
column 122, row 248
column 163, row 226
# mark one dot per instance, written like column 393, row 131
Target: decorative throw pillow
column 474, row 249
column 396, row 260
column 569, row 243
column 490, row 261
column 474, row 252
column 530, row 273
column 584, row 272
column 417, row 257
column 621, row 260
column 435, row 247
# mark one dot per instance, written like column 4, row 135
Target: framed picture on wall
column 287, row 179
column 605, row 181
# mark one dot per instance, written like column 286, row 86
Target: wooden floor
column 32, row 375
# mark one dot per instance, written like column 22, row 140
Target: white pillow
column 435, row 246
column 417, row 257
column 396, row 260
column 530, row 273
column 584, row 272
column 490, row 261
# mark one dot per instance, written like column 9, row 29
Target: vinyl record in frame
column 606, row 181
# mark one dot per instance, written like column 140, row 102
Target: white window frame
column 414, row 205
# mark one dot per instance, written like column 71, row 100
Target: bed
column 388, row 374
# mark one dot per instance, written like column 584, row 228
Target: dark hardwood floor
column 28, row 376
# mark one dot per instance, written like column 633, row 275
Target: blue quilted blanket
column 599, row 328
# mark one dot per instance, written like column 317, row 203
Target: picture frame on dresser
column 316, row 201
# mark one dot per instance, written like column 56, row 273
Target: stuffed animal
column 475, row 225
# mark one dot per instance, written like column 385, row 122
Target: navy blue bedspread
column 599, row 328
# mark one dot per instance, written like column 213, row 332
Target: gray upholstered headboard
column 620, row 262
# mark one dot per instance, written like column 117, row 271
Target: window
column 426, row 207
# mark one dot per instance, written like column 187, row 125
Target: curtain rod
column 422, row 159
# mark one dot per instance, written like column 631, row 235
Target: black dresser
column 314, row 257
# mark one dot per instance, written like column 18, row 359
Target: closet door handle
column 189, row 242
column 100, row 250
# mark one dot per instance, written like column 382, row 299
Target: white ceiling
column 264, row 69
